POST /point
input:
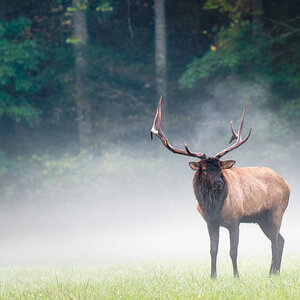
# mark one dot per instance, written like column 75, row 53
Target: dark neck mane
column 210, row 201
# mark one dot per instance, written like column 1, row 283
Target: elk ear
column 194, row 165
column 227, row 164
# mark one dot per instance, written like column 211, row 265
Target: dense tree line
column 78, row 76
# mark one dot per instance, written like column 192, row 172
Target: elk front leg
column 213, row 230
column 234, row 241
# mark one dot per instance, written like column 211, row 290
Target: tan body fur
column 251, row 191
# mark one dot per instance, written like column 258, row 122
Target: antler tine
column 159, row 133
column 234, row 134
column 237, row 136
column 187, row 149
column 242, row 120
column 153, row 126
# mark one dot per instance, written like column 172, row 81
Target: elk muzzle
column 218, row 184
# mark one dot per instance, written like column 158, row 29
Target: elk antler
column 164, row 140
column 237, row 136
column 234, row 134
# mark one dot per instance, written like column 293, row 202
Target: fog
column 145, row 209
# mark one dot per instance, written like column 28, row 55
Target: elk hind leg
column 271, row 230
column 280, row 245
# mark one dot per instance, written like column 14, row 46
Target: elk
column 227, row 196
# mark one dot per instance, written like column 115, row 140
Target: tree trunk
column 82, row 102
column 160, row 50
column 257, row 19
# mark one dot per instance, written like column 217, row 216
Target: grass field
column 165, row 280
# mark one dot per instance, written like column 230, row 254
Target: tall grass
column 167, row 280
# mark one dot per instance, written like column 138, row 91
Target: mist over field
column 140, row 204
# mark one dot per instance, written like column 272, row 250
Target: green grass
column 167, row 280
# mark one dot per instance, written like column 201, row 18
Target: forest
column 80, row 81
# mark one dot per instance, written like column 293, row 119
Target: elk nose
column 218, row 183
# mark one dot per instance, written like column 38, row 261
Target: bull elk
column 227, row 196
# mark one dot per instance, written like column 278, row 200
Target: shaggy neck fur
column 210, row 200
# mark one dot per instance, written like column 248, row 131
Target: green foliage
column 19, row 79
column 105, row 7
column 73, row 40
column 236, row 10
column 244, row 50
column 286, row 59
column 237, row 53
column 79, row 5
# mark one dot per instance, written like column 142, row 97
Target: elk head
column 209, row 167
column 210, row 170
